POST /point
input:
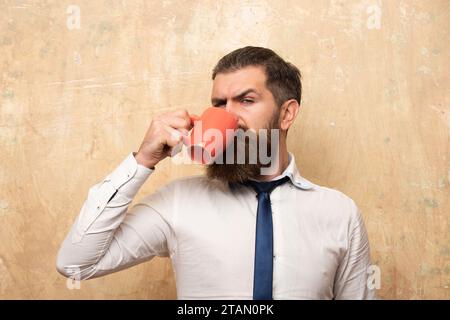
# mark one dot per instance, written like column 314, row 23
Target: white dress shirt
column 321, row 249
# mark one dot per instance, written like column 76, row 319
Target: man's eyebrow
column 218, row 101
column 246, row 92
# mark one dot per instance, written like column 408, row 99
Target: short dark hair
column 283, row 79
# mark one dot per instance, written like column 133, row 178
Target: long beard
column 242, row 148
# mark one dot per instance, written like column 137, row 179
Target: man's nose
column 232, row 108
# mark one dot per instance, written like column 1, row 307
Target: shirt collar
column 292, row 172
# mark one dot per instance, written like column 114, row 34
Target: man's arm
column 352, row 274
column 105, row 237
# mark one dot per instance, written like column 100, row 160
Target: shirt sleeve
column 107, row 237
column 351, row 280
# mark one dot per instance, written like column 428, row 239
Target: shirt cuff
column 129, row 176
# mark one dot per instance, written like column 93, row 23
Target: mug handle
column 185, row 141
column 193, row 118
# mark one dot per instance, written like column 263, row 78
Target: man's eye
column 247, row 100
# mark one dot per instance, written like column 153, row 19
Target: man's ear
column 289, row 111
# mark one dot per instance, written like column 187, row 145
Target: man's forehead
column 236, row 82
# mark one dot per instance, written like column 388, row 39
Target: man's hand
column 165, row 132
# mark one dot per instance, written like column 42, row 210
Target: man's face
column 244, row 94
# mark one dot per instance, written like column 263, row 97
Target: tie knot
column 266, row 186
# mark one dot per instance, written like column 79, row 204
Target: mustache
column 240, row 172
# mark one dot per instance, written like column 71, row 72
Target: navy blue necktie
column 263, row 272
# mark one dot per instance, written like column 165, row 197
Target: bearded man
column 235, row 232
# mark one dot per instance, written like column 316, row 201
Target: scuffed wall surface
column 75, row 99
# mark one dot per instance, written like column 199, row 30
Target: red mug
column 211, row 134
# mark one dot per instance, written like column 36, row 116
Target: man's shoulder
column 331, row 192
column 334, row 201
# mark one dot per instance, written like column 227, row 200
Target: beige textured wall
column 74, row 102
